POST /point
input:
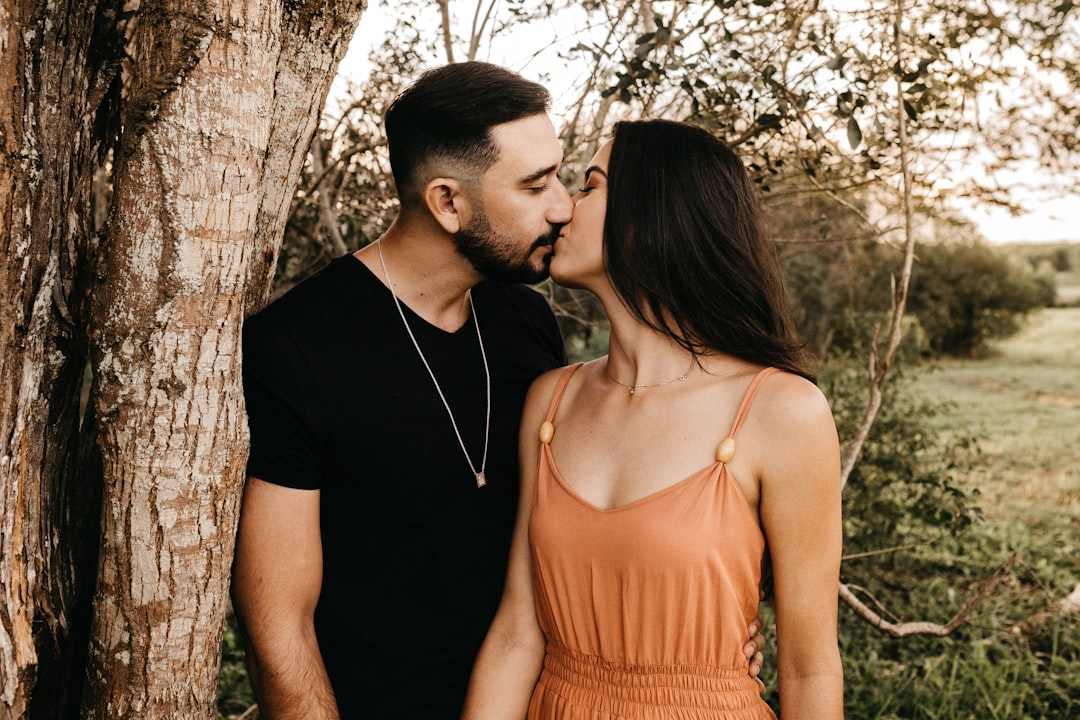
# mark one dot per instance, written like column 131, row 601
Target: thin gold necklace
column 633, row 388
column 481, row 479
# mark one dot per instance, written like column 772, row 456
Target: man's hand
column 753, row 650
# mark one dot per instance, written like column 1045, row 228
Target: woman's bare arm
column 800, row 512
column 513, row 651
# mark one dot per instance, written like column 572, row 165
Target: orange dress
column 645, row 606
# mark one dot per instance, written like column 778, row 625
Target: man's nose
column 563, row 208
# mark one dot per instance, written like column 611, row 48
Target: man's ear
column 448, row 204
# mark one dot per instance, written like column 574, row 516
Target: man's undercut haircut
column 445, row 119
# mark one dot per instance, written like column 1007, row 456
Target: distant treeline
column 1057, row 257
column 962, row 295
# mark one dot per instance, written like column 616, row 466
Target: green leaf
column 910, row 110
column 854, row 133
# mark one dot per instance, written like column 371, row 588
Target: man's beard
column 495, row 260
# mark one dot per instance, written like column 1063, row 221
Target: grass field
column 1023, row 404
column 1015, row 658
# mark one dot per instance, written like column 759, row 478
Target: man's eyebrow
column 539, row 174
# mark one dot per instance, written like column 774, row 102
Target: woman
column 658, row 481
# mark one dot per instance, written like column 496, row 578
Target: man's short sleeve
column 279, row 400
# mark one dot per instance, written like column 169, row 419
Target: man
column 384, row 395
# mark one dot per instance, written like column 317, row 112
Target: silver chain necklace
column 481, row 480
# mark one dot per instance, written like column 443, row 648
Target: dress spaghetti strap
column 725, row 451
column 748, row 398
column 560, row 388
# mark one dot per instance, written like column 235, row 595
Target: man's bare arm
column 277, row 576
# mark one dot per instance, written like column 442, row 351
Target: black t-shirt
column 414, row 554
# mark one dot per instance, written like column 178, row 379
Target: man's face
column 519, row 206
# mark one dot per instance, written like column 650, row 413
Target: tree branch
column 478, row 27
column 448, row 40
column 897, row 548
column 879, row 366
column 1059, row 608
column 905, row 629
column 327, row 214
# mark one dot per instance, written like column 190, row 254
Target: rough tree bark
column 219, row 104
column 55, row 66
column 215, row 131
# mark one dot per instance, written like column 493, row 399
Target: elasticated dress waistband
column 602, row 689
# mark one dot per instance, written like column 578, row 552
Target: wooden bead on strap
column 725, row 450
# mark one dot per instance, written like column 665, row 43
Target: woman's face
column 579, row 252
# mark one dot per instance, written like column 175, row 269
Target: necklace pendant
column 632, row 388
column 481, row 480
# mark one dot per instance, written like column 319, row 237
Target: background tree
column 200, row 117
column 962, row 296
column 967, row 295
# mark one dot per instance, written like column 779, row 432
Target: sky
column 1054, row 220
column 1048, row 221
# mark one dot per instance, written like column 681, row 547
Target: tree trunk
column 314, row 37
column 51, row 78
column 219, row 105
column 222, row 104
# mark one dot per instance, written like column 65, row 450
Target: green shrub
column 968, row 295
column 235, row 698
column 981, row 670
column 963, row 295
column 904, row 488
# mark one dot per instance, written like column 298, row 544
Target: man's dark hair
column 446, row 115
column 685, row 246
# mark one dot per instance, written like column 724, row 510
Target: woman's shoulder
column 792, row 424
column 544, row 388
column 771, row 393
column 550, row 378
column 787, row 399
